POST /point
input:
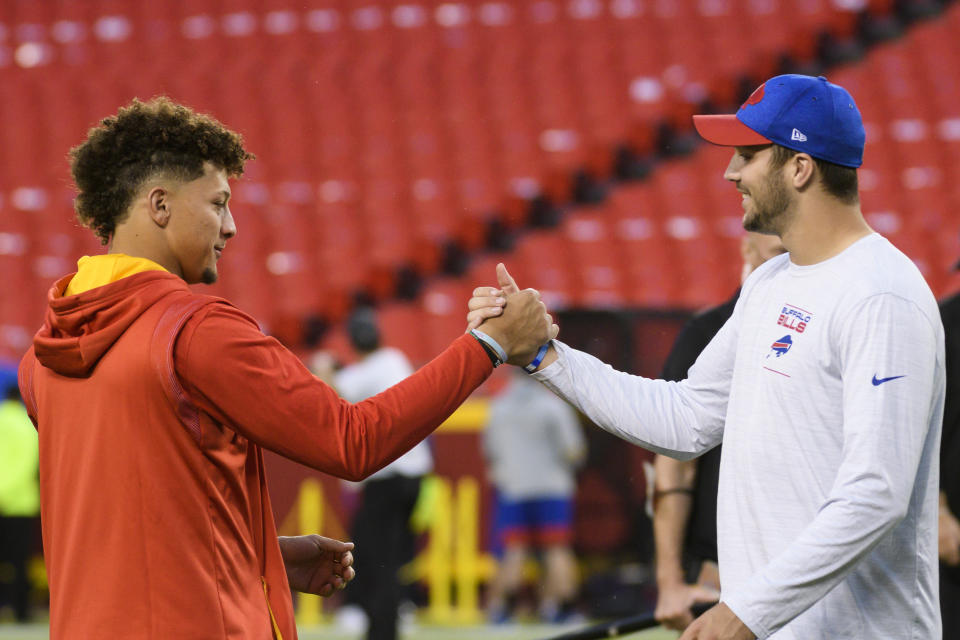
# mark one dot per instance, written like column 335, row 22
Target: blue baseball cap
column 802, row 113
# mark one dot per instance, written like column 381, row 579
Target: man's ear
column 803, row 169
column 158, row 200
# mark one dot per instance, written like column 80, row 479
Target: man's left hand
column 719, row 623
column 316, row 564
column 949, row 535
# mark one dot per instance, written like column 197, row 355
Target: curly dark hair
column 145, row 139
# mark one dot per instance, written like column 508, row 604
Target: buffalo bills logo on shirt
column 794, row 318
column 781, row 346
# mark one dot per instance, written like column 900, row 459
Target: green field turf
column 507, row 632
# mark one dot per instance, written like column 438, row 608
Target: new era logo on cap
column 782, row 109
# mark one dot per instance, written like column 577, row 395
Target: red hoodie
column 152, row 405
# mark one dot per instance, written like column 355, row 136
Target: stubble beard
column 208, row 276
column 770, row 212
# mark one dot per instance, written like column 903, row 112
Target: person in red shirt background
column 153, row 404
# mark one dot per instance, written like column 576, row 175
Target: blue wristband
column 530, row 368
column 490, row 342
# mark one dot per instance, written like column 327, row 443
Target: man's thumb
column 505, row 280
column 333, row 545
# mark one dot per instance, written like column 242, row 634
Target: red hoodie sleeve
column 252, row 384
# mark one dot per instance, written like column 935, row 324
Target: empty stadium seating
column 386, row 130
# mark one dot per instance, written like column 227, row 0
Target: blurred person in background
column 153, row 404
column 19, row 503
column 533, row 445
column 685, row 494
column 381, row 526
column 949, row 525
column 826, row 387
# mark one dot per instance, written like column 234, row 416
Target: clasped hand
column 517, row 319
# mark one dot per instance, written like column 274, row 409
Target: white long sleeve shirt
column 826, row 387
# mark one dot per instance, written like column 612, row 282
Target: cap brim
column 726, row 131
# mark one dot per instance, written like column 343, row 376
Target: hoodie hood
column 79, row 329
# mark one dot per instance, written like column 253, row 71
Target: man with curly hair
column 154, row 403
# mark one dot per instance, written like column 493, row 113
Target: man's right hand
column 521, row 325
column 487, row 302
column 674, row 603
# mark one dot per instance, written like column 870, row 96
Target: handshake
column 516, row 319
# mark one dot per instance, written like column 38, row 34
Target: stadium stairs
column 651, row 223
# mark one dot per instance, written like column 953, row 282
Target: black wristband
column 494, row 358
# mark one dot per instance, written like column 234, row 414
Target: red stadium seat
column 382, row 134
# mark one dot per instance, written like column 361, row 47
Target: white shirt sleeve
column 678, row 419
column 888, row 361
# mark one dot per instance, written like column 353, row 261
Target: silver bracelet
column 490, row 342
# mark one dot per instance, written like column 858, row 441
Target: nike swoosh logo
column 877, row 382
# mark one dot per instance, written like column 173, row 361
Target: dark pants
column 18, row 537
column 384, row 543
column 950, row 601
